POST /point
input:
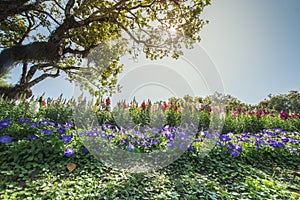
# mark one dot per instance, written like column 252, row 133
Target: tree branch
column 41, row 78
column 14, row 7
column 34, row 68
column 79, row 52
column 24, row 71
column 69, row 5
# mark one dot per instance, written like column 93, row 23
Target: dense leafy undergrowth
column 253, row 175
column 42, row 157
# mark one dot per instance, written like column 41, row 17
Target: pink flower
column 165, row 106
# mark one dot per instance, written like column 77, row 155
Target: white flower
column 34, row 107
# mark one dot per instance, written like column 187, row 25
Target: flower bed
column 43, row 156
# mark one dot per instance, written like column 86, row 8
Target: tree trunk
column 15, row 92
column 36, row 51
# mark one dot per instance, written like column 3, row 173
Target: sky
column 253, row 46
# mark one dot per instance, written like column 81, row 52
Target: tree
column 289, row 102
column 53, row 36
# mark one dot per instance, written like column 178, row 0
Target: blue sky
column 254, row 44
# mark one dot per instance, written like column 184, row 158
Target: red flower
column 283, row 115
column 44, row 103
column 108, row 101
column 144, row 106
column 240, row 110
column 258, row 114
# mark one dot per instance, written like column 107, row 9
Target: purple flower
column 238, row 147
column 219, row 144
column 229, row 146
column 44, row 122
column 5, row 139
column 170, row 144
column 61, row 130
column 99, row 148
column 125, row 140
column 66, row 139
column 140, row 135
column 259, row 141
column 156, row 135
column 130, row 147
column 190, row 147
column 32, row 138
column 103, row 135
column 68, row 125
column 293, row 150
column 257, row 147
column 46, row 132
column 155, row 142
column 4, row 124
column 233, row 152
column 225, row 138
column 111, row 137
column 182, row 136
column 140, row 143
column 85, row 150
column 148, row 139
column 284, row 139
column 34, row 125
column 166, row 133
column 274, row 144
column 277, row 129
column 239, row 139
column 69, row 152
column 171, row 138
column 51, row 124
column 106, row 126
column 24, row 120
column 146, row 144
column 295, row 141
column 182, row 148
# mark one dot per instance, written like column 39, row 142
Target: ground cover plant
column 42, row 155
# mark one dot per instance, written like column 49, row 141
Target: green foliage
column 289, row 102
column 3, row 81
column 101, row 30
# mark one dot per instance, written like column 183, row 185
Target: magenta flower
column 283, row 115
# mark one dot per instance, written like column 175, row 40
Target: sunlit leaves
column 80, row 26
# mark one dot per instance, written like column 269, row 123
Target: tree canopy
column 49, row 37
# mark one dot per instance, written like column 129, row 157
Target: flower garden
column 256, row 156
